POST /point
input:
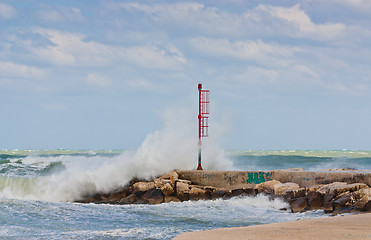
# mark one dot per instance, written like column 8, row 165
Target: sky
column 104, row 74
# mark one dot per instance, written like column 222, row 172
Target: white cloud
column 60, row 14
column 7, row 12
column 22, row 77
column 298, row 24
column 282, row 78
column 96, row 79
column 154, row 57
column 258, row 75
column 264, row 20
column 192, row 16
column 305, row 71
column 72, row 49
column 244, row 50
column 10, row 69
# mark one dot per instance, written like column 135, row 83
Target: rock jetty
column 335, row 198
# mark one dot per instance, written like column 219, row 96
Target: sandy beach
column 327, row 228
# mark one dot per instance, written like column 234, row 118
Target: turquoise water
column 308, row 160
column 37, row 189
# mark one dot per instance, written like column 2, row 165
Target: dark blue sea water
column 37, row 189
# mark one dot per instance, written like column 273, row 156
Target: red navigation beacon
column 203, row 119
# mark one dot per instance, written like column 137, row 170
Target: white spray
column 173, row 147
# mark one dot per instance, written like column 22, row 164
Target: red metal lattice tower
column 203, row 119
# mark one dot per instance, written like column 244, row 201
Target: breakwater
column 334, row 191
column 248, row 179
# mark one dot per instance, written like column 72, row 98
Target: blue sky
column 100, row 74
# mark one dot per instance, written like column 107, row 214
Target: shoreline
column 356, row 226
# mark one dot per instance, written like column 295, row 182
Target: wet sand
column 327, row 228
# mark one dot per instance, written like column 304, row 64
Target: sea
column 38, row 189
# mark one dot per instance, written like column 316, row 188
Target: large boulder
column 197, row 194
column 143, row 186
column 249, row 191
column 315, row 200
column 117, row 196
column 184, row 181
column 328, row 191
column 182, row 187
column 94, row 199
column 326, row 188
column 153, row 196
column 337, row 188
column 209, row 189
column 132, row 198
column 349, row 188
column 173, row 176
column 298, row 204
column 280, row 188
column 159, row 183
column 171, row 199
column 182, row 191
column 170, row 177
column 167, row 189
column 313, row 188
column 220, row 193
column 237, row 192
column 242, row 192
column 333, row 190
column 342, row 201
column 363, row 199
column 267, row 187
column 289, row 194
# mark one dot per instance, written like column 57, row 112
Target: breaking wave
column 69, row 177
